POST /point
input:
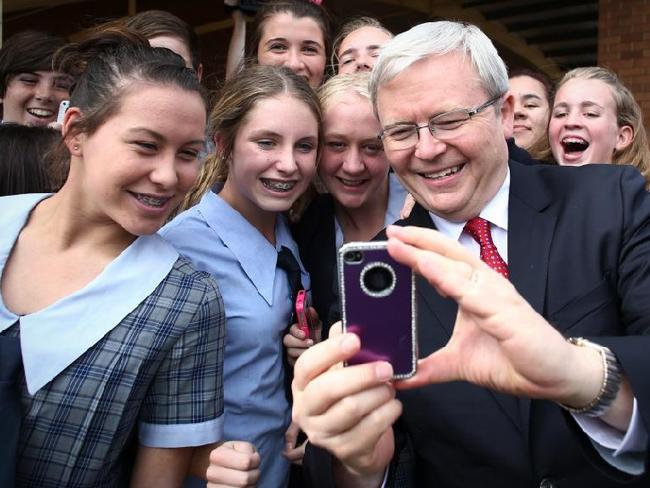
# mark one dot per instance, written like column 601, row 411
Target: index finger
column 296, row 332
column 321, row 357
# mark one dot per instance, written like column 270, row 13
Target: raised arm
column 237, row 46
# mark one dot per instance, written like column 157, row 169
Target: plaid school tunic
column 158, row 368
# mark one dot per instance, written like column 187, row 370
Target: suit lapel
column 443, row 309
column 531, row 224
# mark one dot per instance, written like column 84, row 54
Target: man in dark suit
column 526, row 257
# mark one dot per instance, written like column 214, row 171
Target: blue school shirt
column 218, row 239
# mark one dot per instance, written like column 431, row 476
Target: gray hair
column 439, row 38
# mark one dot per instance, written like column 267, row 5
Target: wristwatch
column 612, row 378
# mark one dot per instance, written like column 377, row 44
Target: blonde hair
column 238, row 97
column 339, row 85
column 628, row 112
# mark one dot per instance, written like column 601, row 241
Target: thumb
column 291, row 435
column 336, row 329
column 440, row 366
column 241, row 446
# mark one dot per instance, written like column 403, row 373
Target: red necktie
column 479, row 229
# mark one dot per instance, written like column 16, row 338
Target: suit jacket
column 10, row 409
column 519, row 154
column 579, row 252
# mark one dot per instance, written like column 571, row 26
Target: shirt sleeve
column 623, row 450
column 184, row 404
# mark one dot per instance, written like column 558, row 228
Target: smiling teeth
column 352, row 182
column 574, row 144
column 151, row 201
column 443, row 173
column 576, row 140
column 40, row 112
column 277, row 185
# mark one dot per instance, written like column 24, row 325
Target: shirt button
column 547, row 483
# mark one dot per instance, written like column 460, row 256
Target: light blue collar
column 256, row 255
column 396, row 197
column 54, row 337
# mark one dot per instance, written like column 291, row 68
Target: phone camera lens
column 353, row 257
column 378, row 279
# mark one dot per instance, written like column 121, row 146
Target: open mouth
column 278, row 185
column 438, row 175
column 149, row 200
column 41, row 113
column 574, row 144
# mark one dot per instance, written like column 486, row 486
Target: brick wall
column 624, row 46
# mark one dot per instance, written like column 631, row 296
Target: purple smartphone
column 378, row 304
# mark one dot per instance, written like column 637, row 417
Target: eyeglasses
column 404, row 136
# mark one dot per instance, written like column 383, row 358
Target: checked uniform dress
column 136, row 354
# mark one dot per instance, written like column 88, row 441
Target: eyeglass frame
column 432, row 130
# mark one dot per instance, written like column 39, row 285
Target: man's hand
column 348, row 411
column 233, row 464
column 498, row 341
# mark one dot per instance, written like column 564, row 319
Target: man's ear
column 72, row 141
column 507, row 115
column 624, row 138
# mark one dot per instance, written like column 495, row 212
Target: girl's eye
column 335, row 145
column 531, row 105
column 559, row 115
column 305, row 147
column 277, row 47
column 28, row 80
column 189, row 154
column 373, row 148
column 345, row 61
column 266, row 144
column 310, row 49
column 592, row 114
column 146, row 146
column 63, row 85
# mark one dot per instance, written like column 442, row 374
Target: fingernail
column 349, row 343
column 384, row 371
column 310, row 343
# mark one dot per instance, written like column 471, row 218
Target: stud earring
column 76, row 148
